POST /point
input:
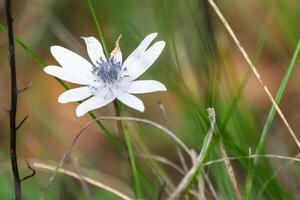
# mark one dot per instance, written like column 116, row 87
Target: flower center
column 108, row 72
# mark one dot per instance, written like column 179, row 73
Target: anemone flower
column 106, row 79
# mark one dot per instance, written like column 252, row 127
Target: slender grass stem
column 101, row 35
column 125, row 137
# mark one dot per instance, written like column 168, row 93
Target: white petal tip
column 53, row 48
column 61, row 99
column 141, row 109
column 154, row 34
column 79, row 112
column 162, row 43
column 49, row 69
column 88, row 38
column 84, row 38
column 46, row 69
column 163, row 88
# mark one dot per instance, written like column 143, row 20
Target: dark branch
column 14, row 100
column 22, row 122
column 33, row 172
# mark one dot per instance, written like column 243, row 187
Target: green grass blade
column 133, row 165
column 269, row 120
column 101, row 36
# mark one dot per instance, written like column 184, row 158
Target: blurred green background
column 201, row 68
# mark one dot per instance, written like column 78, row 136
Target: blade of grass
column 101, row 36
column 62, row 83
column 136, row 178
column 270, row 119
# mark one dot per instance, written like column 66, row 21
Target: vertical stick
column 14, row 99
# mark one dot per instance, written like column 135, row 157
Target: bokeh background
column 201, row 68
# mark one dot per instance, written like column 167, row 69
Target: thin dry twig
column 210, row 186
column 24, row 88
column 164, row 161
column 33, row 172
column 211, row 162
column 230, row 171
column 178, row 150
column 85, row 178
column 22, row 122
column 182, row 159
column 253, row 68
column 276, row 173
column 83, row 183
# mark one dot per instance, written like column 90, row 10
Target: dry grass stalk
column 230, row 171
column 89, row 180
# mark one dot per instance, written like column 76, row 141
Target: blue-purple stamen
column 108, row 72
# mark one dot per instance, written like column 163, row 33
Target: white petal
column 75, row 94
column 139, row 51
column 94, row 49
column 145, row 86
column 132, row 101
column 65, row 75
column 93, row 103
column 139, row 65
column 72, row 62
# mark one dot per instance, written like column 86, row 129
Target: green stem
column 100, row 33
column 125, row 137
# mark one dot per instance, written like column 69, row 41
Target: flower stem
column 125, row 137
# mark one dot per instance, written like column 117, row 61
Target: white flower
column 106, row 79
